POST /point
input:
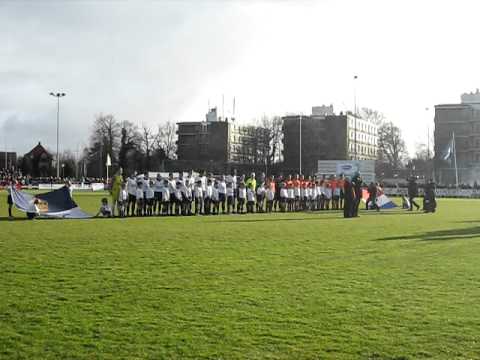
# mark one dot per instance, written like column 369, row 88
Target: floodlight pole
column 300, row 145
column 58, row 96
column 355, row 114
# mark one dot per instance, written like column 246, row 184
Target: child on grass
column 105, row 209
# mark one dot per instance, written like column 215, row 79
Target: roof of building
column 37, row 151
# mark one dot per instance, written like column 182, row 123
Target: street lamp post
column 58, row 96
column 355, row 77
column 300, row 145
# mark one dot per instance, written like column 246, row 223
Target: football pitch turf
column 388, row 285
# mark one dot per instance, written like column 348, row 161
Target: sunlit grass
column 384, row 286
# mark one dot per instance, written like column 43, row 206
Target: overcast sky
column 151, row 61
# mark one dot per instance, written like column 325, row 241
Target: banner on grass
column 54, row 204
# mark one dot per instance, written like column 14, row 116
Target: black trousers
column 412, row 202
column 349, row 208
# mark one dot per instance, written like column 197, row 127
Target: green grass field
column 394, row 285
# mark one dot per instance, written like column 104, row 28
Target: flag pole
column 455, row 160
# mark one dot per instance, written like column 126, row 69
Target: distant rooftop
column 471, row 98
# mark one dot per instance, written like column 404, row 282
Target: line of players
column 227, row 194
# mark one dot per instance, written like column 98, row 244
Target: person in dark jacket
column 412, row 193
column 429, row 200
column 357, row 183
column 349, row 198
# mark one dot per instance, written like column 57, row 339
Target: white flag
column 109, row 161
column 448, row 153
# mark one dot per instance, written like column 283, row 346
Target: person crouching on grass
column 105, row 209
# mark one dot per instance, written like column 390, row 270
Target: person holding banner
column 412, row 193
column 117, row 182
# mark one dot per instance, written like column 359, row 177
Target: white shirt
column 230, row 191
column 242, row 193
column 158, row 185
column 291, row 194
column 131, row 186
column 123, row 195
column 198, row 192
column 222, row 187
column 297, row 191
column 190, row 183
column 250, row 195
column 105, row 209
column 145, row 185
column 209, row 191
column 261, row 190
column 33, row 208
column 172, row 186
column 139, row 194
column 203, row 179
column 232, row 179
column 150, row 194
column 165, row 194
column 328, row 192
column 178, row 194
column 270, row 195
column 215, row 194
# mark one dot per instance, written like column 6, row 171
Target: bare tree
column 167, row 139
column 274, row 134
column 105, row 139
column 373, row 115
column 391, row 145
column 147, row 145
column 129, row 144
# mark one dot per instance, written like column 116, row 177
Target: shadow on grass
column 252, row 220
column 6, row 218
column 390, row 212
column 439, row 235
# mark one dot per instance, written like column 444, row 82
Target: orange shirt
column 271, row 185
column 334, row 184
column 296, row 183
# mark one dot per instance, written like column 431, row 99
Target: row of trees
column 129, row 146
column 392, row 150
column 143, row 148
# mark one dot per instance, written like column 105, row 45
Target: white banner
column 459, row 193
column 75, row 187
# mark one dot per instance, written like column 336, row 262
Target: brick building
column 464, row 120
column 221, row 140
column 326, row 136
